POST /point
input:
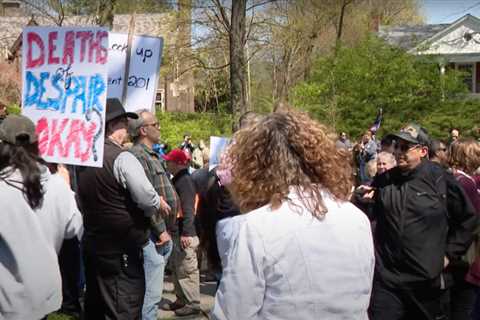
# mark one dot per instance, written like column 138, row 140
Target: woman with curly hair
column 303, row 251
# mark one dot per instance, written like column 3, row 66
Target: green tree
column 347, row 90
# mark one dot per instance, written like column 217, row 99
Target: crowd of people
column 293, row 224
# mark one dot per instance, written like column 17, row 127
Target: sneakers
column 187, row 311
column 172, row 306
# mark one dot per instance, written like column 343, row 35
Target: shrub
column 199, row 125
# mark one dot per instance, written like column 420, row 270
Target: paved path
column 207, row 292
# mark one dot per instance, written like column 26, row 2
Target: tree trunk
column 105, row 13
column 238, row 72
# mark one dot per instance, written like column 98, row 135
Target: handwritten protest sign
column 64, row 91
column 217, row 146
column 142, row 77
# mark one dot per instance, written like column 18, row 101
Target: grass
column 59, row 316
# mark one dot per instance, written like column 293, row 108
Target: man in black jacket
column 186, row 276
column 117, row 201
column 424, row 222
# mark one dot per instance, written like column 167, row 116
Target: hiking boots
column 187, row 311
column 172, row 306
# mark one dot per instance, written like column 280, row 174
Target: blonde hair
column 465, row 155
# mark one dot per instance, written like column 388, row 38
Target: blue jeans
column 154, row 261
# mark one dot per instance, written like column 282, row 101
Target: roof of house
column 409, row 37
column 157, row 24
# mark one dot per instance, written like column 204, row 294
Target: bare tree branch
column 224, row 16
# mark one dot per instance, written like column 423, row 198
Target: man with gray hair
column 145, row 132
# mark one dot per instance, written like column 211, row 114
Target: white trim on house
column 426, row 43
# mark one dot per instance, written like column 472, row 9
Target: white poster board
column 64, row 72
column 217, row 147
column 142, row 79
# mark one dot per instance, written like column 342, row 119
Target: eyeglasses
column 405, row 147
column 156, row 125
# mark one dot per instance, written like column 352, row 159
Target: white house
column 455, row 45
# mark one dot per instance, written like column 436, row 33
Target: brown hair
column 284, row 150
column 465, row 155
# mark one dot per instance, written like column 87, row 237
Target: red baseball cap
column 178, row 156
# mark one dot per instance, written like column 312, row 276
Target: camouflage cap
column 413, row 133
column 17, row 130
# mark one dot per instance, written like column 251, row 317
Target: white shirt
column 30, row 281
column 287, row 264
column 128, row 171
column 226, row 233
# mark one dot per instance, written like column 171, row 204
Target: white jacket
column 286, row 264
column 30, row 282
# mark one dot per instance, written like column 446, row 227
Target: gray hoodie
column 30, row 282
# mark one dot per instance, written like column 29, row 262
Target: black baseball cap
column 413, row 133
column 115, row 109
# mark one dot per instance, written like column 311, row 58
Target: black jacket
column 185, row 188
column 422, row 216
column 113, row 222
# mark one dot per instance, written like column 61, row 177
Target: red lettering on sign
column 34, row 38
column 56, row 136
column 52, row 38
column 42, row 134
column 102, row 51
column 84, row 36
column 68, row 48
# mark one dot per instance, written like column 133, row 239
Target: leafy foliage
column 346, row 91
column 200, row 125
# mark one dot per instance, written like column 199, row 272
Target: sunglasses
column 406, row 147
column 156, row 125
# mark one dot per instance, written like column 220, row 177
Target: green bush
column 200, row 125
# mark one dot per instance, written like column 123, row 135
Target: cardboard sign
column 142, row 77
column 64, row 91
column 217, row 146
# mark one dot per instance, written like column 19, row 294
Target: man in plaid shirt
column 145, row 132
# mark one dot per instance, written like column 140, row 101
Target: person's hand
column 185, row 242
column 164, row 207
column 63, row 172
column 163, row 238
column 367, row 191
column 446, row 262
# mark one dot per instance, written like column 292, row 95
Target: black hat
column 115, row 109
column 413, row 133
column 17, row 130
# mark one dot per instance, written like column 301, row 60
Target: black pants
column 69, row 261
column 421, row 303
column 115, row 286
column 462, row 294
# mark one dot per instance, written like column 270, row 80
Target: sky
column 446, row 11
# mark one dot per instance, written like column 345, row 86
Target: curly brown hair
column 284, row 150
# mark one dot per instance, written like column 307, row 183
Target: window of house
column 468, row 74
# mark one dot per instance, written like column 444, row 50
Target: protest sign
column 217, row 146
column 64, row 91
column 142, row 76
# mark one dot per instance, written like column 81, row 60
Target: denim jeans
column 154, row 261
